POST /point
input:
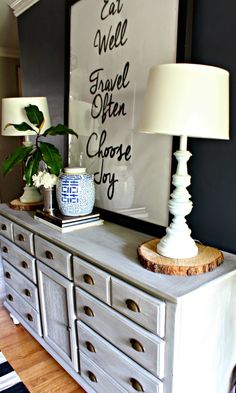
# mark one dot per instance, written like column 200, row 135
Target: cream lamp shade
column 13, row 112
column 185, row 100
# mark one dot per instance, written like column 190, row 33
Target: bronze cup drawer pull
column 132, row 305
column 8, row 275
column 90, row 347
column 21, row 238
column 88, row 279
column 136, row 385
column 24, row 265
column 27, row 292
column 92, row 376
column 136, row 345
column 10, row 297
column 88, row 311
column 30, row 318
column 5, row 249
column 49, row 255
column 3, row 227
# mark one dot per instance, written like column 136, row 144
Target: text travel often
column 103, row 105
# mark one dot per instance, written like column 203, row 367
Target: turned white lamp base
column 177, row 243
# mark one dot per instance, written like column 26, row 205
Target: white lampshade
column 187, row 99
column 13, row 112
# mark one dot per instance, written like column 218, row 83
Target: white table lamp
column 13, row 111
column 185, row 100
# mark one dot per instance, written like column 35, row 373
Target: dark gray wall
column 213, row 165
column 42, row 48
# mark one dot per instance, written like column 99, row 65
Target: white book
column 71, row 227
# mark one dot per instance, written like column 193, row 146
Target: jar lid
column 74, row 170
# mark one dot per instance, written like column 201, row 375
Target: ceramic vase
column 75, row 192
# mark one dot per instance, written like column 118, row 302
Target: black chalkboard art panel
column 113, row 45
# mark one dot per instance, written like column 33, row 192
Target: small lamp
column 13, row 111
column 185, row 100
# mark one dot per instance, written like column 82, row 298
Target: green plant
column 39, row 151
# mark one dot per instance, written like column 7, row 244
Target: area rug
column 10, row 382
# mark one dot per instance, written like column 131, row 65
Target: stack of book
column 67, row 223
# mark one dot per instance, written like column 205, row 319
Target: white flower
column 45, row 179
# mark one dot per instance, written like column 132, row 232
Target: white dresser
column 114, row 326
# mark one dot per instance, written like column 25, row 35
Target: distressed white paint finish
column 23, row 261
column 6, row 228
column 200, row 311
column 53, row 256
column 29, row 314
column 103, row 383
column 205, row 339
column 116, row 364
column 147, row 312
column 119, row 331
column 114, row 249
column 98, row 282
column 23, row 238
column 81, row 381
column 2, row 282
column 22, row 285
column 57, row 313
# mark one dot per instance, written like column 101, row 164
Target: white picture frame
column 113, row 45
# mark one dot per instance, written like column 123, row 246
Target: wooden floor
column 37, row 369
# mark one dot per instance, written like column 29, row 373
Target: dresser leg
column 14, row 319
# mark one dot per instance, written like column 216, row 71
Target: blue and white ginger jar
column 75, row 192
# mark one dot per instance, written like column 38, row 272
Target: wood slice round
column 18, row 205
column 208, row 259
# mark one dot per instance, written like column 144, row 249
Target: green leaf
column 34, row 115
column 60, row 129
column 19, row 155
column 31, row 167
column 20, row 127
column 51, row 157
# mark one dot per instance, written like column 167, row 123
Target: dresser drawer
column 28, row 313
column 92, row 279
column 24, row 262
column 126, row 372
column 21, row 284
column 54, row 256
column 97, row 378
column 142, row 346
column 23, row 238
column 6, row 228
column 142, row 308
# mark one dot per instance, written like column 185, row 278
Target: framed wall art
column 112, row 46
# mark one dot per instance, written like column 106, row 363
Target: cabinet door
column 57, row 312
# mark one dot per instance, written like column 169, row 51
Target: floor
column 37, row 369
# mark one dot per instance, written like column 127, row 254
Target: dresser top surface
column 114, row 248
